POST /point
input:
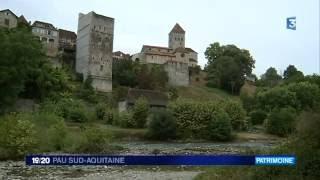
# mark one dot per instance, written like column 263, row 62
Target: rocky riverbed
column 18, row 169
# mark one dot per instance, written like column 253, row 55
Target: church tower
column 177, row 37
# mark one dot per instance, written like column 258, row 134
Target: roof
column 159, row 47
column 192, row 60
column 177, row 29
column 22, row 19
column 9, row 11
column 153, row 97
column 190, row 50
column 67, row 34
column 160, row 54
column 44, row 24
column 181, row 49
column 120, row 53
column 102, row 16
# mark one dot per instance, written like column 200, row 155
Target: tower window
column 101, row 67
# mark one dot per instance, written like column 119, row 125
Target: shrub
column 277, row 97
column 192, row 118
column 173, row 93
column 237, row 115
column 161, row 125
column 281, row 122
column 110, row 115
column 68, row 108
column 258, row 117
column 140, row 112
column 96, row 141
column 219, row 127
column 100, row 111
column 307, row 94
column 57, row 134
column 17, row 137
column 125, row 120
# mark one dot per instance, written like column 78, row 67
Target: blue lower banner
column 195, row 160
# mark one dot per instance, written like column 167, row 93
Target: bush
column 100, row 111
column 111, row 116
column 68, row 108
column 57, row 134
column 192, row 118
column 308, row 95
column 17, row 137
column 220, row 128
column 277, row 97
column 304, row 145
column 281, row 122
column 125, row 120
column 96, row 141
column 161, row 125
column 140, row 112
column 237, row 115
column 258, row 117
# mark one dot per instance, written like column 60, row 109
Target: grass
column 204, row 93
column 117, row 132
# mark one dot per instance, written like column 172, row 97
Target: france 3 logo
column 291, row 23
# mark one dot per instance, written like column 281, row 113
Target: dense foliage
column 195, row 119
column 281, row 121
column 140, row 112
column 161, row 125
column 24, row 70
column 144, row 76
column 227, row 66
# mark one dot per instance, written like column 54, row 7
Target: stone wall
column 178, row 73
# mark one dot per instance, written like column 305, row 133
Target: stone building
column 118, row 55
column 67, row 40
column 8, row 19
column 176, row 58
column 176, row 50
column 47, row 34
column 94, row 50
column 155, row 99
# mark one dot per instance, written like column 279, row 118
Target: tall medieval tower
column 177, row 37
column 94, row 50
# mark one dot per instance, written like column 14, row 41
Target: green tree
column 291, row 72
column 140, row 112
column 24, row 70
column 270, row 78
column 227, row 66
column 162, row 125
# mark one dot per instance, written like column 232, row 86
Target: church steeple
column 177, row 37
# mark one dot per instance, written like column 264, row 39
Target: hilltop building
column 94, row 50
column 176, row 58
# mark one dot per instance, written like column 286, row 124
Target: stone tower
column 177, row 37
column 94, row 50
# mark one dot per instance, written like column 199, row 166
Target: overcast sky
column 256, row 25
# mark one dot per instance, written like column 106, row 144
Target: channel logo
column 292, row 23
column 275, row 160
